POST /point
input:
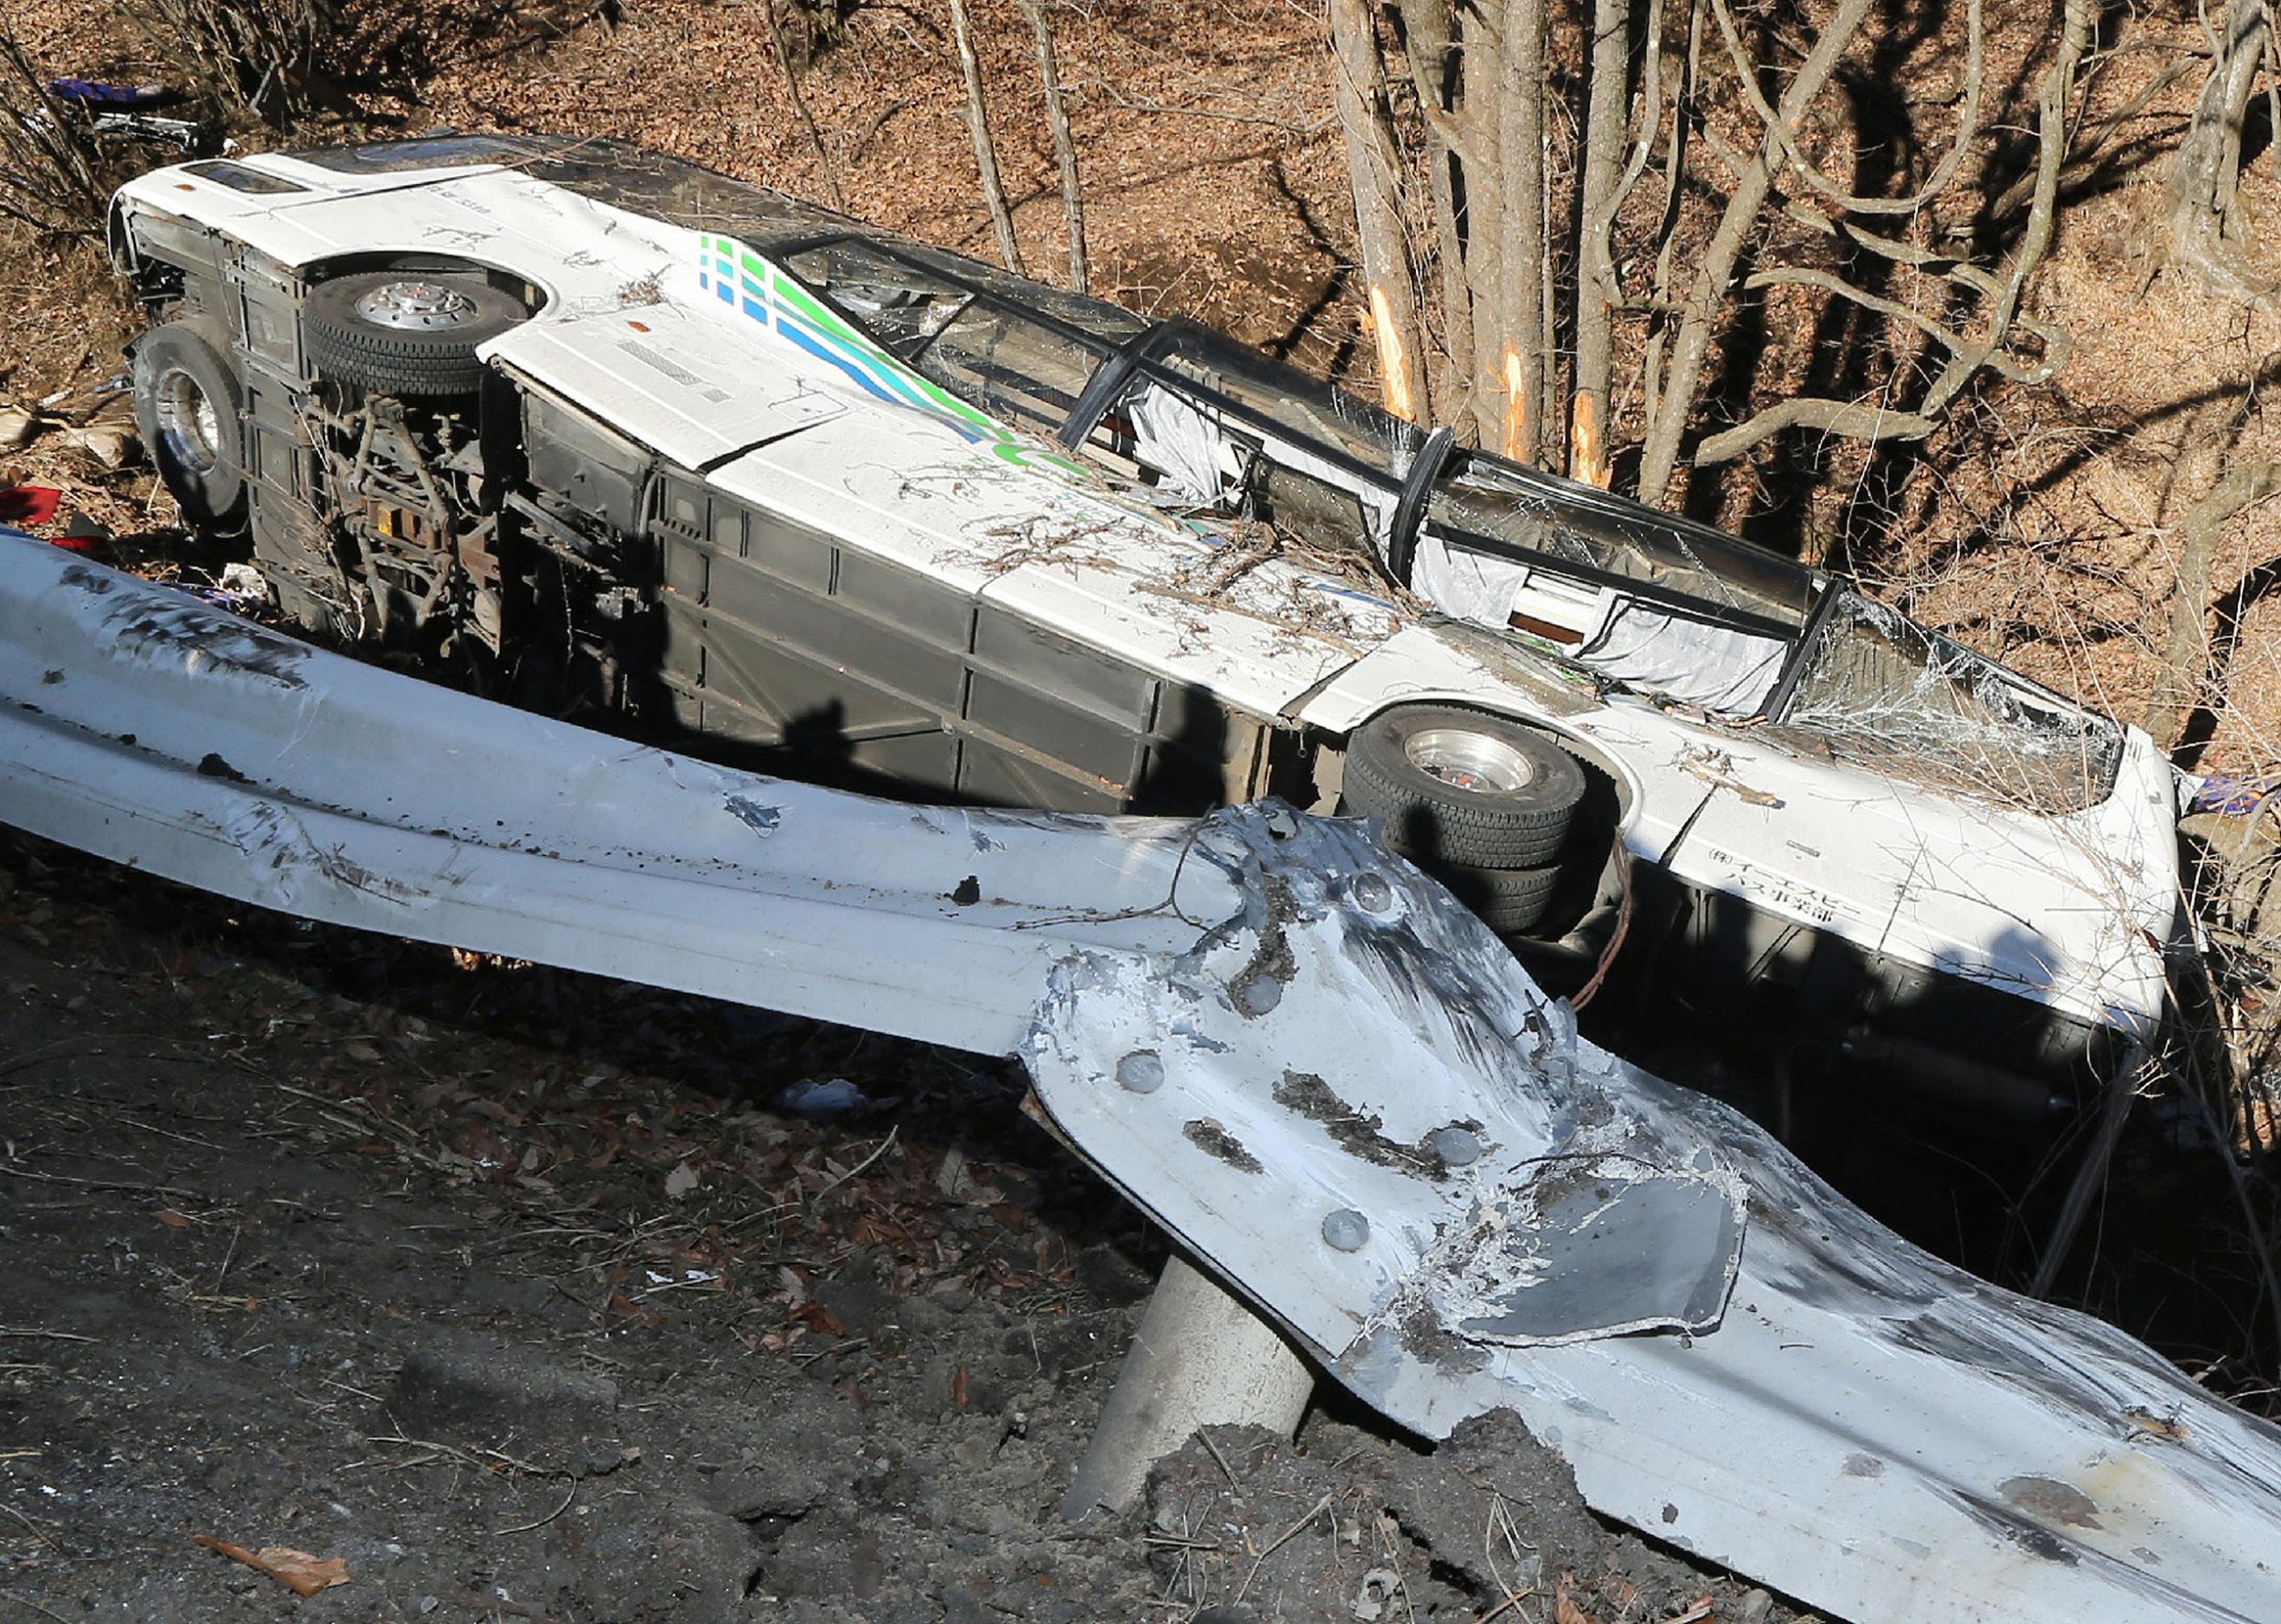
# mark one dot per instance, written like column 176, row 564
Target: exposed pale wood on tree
column 1488, row 116
column 1392, row 292
column 1520, row 137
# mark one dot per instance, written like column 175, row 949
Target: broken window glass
column 1320, row 417
column 1566, row 522
column 1104, row 325
column 1878, row 689
column 995, row 354
column 901, row 309
column 1009, row 365
column 1649, row 602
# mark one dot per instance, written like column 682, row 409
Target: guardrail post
column 1201, row 1358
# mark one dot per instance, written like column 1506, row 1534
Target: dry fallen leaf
column 298, row 1571
column 627, row 1305
column 680, row 1181
column 173, row 1218
column 1565, row 1611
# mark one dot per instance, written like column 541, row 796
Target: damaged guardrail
column 1330, row 1082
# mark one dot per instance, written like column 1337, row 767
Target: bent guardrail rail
column 1300, row 1056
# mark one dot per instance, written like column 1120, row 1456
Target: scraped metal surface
column 1593, row 1245
column 142, row 724
column 1853, row 1421
column 1298, row 1054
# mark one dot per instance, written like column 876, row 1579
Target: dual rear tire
column 1481, row 804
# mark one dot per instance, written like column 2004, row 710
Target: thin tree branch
column 2018, row 372
column 2051, row 114
column 1778, row 126
column 1064, row 147
column 985, row 148
column 1852, row 419
column 799, row 104
column 1715, row 274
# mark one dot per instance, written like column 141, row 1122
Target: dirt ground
column 527, row 1296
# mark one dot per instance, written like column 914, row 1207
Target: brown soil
column 525, row 1294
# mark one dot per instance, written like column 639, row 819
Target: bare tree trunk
column 985, row 148
column 2181, row 685
column 1064, row 148
column 1521, row 129
column 2206, row 174
column 1434, row 69
column 1707, row 296
column 1391, row 287
column 799, row 104
column 1597, row 294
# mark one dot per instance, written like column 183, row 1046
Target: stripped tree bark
column 1391, row 285
column 1521, row 128
column 1064, row 147
column 1466, row 146
column 985, row 148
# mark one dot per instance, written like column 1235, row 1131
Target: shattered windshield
column 1880, row 688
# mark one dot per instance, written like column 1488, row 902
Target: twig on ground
column 1204, row 1433
column 885, row 1145
column 525, row 1528
column 1281, row 1540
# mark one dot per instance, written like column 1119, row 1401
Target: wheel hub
column 188, row 424
column 1470, row 761
column 422, row 306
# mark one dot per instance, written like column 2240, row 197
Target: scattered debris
column 822, row 1097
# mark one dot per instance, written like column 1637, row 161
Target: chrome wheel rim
column 1470, row 761
column 417, row 306
column 190, row 429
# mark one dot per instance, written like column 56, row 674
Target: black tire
column 187, row 403
column 1508, row 900
column 1510, row 809
column 352, row 337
